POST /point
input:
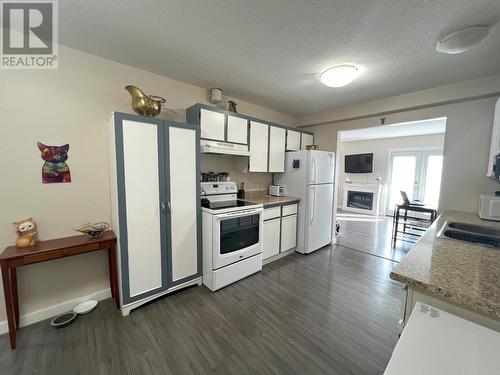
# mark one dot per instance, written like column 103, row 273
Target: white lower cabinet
column 288, row 232
column 280, row 230
column 271, row 240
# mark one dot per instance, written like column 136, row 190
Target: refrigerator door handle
column 314, row 169
column 313, row 206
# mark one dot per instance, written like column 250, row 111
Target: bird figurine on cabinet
column 143, row 104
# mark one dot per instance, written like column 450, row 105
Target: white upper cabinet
column 258, row 146
column 237, row 130
column 277, row 149
column 495, row 141
column 292, row 140
column 307, row 139
column 212, row 125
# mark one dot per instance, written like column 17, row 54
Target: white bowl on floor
column 85, row 307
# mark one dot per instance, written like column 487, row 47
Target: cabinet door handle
column 165, row 207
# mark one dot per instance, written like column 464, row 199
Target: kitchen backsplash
column 236, row 167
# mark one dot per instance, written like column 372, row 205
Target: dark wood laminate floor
column 370, row 234
column 334, row 311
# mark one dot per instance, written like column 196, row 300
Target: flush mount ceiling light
column 340, row 75
column 462, row 40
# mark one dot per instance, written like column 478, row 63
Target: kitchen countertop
column 463, row 273
column 272, row 201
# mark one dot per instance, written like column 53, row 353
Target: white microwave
column 489, row 207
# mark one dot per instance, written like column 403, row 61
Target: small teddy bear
column 26, row 230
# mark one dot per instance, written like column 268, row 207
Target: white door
column 321, row 167
column 307, row 139
column 258, row 147
column 142, row 200
column 288, row 232
column 271, row 238
column 418, row 173
column 319, row 216
column 237, row 129
column 183, row 202
column 277, row 149
column 212, row 125
column 292, row 140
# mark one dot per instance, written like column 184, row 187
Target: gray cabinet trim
column 268, row 146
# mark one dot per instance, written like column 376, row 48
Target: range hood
column 223, row 148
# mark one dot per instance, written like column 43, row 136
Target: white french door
column 416, row 172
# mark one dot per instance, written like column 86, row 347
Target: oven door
column 237, row 235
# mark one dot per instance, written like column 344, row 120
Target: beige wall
column 71, row 105
column 380, row 149
column 466, row 147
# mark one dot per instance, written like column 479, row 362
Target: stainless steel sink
column 472, row 233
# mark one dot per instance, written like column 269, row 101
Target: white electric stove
column 232, row 235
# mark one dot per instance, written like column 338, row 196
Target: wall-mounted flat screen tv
column 359, row 163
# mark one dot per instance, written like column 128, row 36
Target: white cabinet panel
column 288, row 232
column 271, row 240
column 277, row 149
column 290, row 209
column 212, row 124
column 271, row 213
column 258, row 146
column 183, row 200
column 140, row 160
column 237, row 129
column 292, row 140
column 307, row 139
column 495, row 141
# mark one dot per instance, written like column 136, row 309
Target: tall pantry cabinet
column 154, row 172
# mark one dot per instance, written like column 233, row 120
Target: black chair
column 412, row 225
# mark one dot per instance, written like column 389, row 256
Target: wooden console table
column 14, row 257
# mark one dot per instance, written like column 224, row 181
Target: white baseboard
column 49, row 312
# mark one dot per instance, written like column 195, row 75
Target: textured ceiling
column 270, row 52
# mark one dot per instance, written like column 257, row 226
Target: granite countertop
column 463, row 273
column 271, row 200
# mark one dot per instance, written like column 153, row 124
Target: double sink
column 472, row 233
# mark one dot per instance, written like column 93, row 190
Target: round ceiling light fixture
column 462, row 40
column 339, row 75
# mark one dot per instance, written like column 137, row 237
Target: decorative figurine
column 26, row 230
column 145, row 105
column 55, row 169
column 93, row 230
column 232, row 106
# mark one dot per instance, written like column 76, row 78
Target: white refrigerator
column 309, row 175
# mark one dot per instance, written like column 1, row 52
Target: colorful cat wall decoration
column 55, row 169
